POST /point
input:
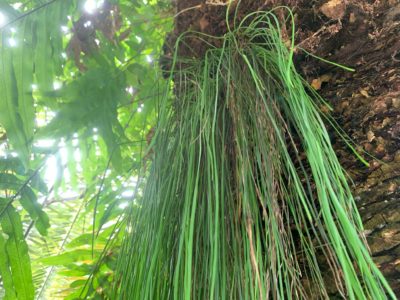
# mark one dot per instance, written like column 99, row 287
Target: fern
column 30, row 47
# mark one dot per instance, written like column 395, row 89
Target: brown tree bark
column 365, row 35
column 367, row 106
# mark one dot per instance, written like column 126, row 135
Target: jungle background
column 80, row 84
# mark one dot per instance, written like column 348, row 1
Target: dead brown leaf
column 317, row 82
column 364, row 93
column 370, row 136
column 334, row 9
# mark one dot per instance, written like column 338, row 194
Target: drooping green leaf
column 5, row 271
column 10, row 117
column 23, row 70
column 30, row 204
column 17, row 252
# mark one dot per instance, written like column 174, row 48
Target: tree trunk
column 367, row 106
column 364, row 35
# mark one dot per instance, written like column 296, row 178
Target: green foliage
column 6, row 272
column 31, row 48
column 103, row 90
column 39, row 217
column 85, row 267
column 87, row 88
column 13, row 111
column 23, row 185
column 231, row 210
column 15, row 263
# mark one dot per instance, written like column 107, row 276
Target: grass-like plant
column 246, row 196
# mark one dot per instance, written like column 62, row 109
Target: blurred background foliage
column 78, row 101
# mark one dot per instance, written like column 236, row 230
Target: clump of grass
column 245, row 190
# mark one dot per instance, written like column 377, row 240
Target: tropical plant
column 245, row 196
